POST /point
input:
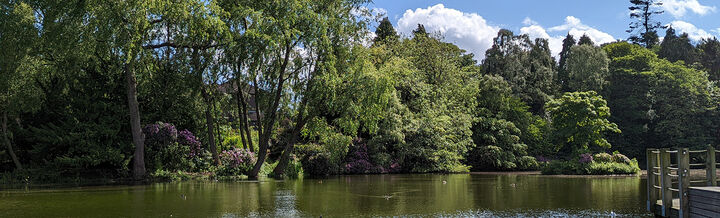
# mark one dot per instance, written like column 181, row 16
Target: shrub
column 527, row 163
column 316, row 161
column 585, row 158
column 236, row 161
column 557, row 167
column 358, row 160
column 620, row 158
column 608, row 168
column 602, row 157
column 166, row 149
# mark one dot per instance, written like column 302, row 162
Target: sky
column 472, row 24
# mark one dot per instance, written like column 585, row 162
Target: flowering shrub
column 168, row 150
column 236, row 161
column 620, row 158
column 602, row 158
column 585, row 158
column 358, row 161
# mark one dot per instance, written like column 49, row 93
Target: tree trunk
column 242, row 115
column 7, row 142
column 290, row 146
column 137, row 134
column 210, row 127
column 272, row 112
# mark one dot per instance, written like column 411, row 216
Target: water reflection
column 362, row 195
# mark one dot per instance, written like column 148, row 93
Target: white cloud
column 576, row 28
column 678, row 8
column 528, row 21
column 573, row 26
column 469, row 31
column 694, row 33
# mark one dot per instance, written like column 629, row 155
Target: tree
column 502, row 129
column 585, row 40
column 526, row 65
column 674, row 48
column 420, row 31
column 568, row 42
column 643, row 29
column 18, row 92
column 385, row 32
column 709, row 57
column 580, row 121
column 587, row 68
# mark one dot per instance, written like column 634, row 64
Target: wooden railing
column 662, row 175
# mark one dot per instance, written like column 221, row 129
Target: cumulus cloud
column 469, row 31
column 572, row 25
column 694, row 33
column 678, row 8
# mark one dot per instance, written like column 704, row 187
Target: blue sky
column 472, row 24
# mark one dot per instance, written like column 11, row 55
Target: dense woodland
column 144, row 89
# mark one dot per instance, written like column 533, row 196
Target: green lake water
column 342, row 196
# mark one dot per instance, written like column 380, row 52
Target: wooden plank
column 665, row 182
column 694, row 191
column 683, row 161
column 704, row 212
column 651, row 179
column 704, row 200
column 695, row 215
column 710, row 166
column 705, row 206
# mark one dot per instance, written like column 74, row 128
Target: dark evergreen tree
column 674, row 48
column 385, row 32
column 643, row 28
column 568, row 42
column 420, row 30
column 585, row 40
column 709, row 57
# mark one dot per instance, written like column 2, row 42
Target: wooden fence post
column 710, row 166
column 652, row 162
column 666, row 182
column 683, row 161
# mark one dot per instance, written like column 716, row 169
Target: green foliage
column 675, row 48
column 709, row 57
column 610, row 168
column 526, row 65
column 596, row 167
column 587, row 68
column 385, row 33
column 580, row 120
column 603, row 157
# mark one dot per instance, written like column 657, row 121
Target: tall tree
column 585, row 40
column 643, row 28
column 568, row 42
column 587, row 68
column 420, row 30
column 709, row 50
column 526, row 65
column 385, row 32
column 676, row 48
column 18, row 92
column 580, row 121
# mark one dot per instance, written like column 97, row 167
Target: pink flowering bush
column 168, row 150
column 236, row 161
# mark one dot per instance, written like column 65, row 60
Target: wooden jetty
column 670, row 191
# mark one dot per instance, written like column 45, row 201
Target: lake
column 343, row 196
